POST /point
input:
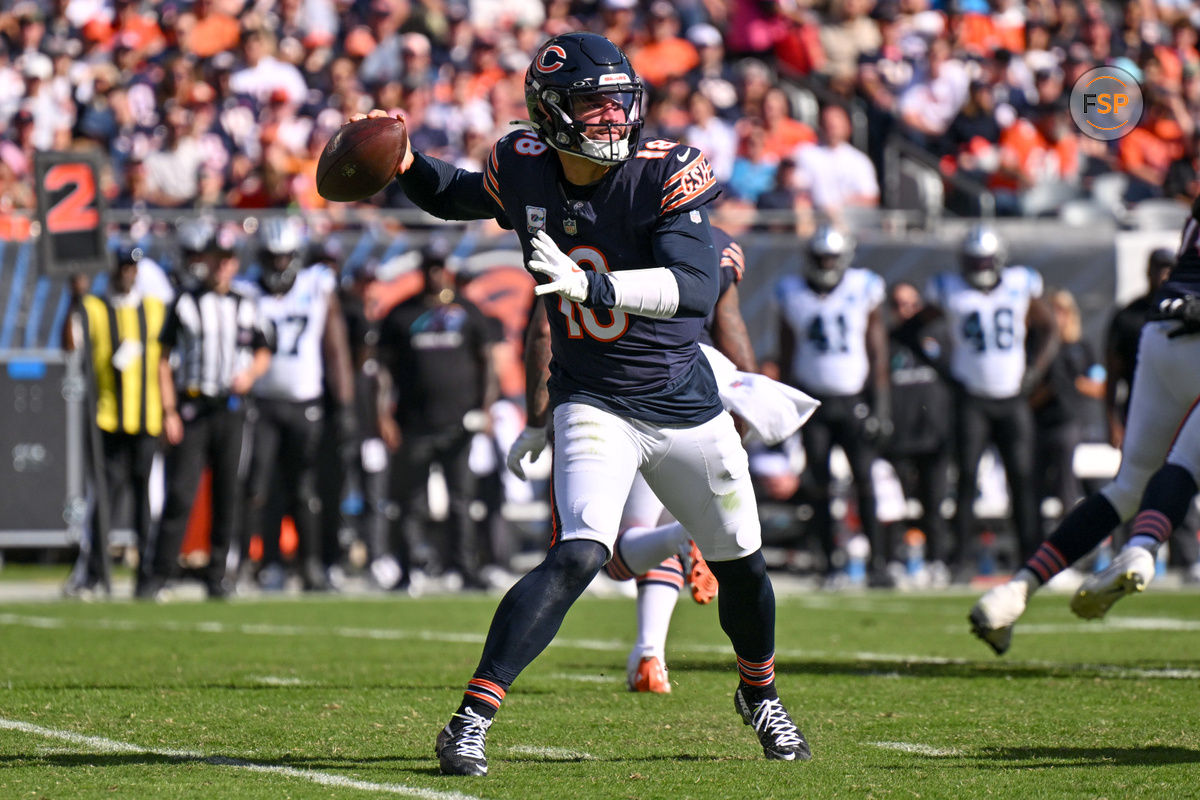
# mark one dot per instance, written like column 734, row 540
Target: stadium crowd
column 227, row 103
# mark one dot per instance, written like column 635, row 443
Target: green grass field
column 342, row 697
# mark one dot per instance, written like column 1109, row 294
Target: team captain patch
column 535, row 218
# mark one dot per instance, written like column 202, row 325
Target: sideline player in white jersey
column 307, row 332
column 991, row 310
column 833, row 346
column 1161, row 424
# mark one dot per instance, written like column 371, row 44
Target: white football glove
column 531, row 442
column 566, row 278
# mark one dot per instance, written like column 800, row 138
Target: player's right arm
column 729, row 332
column 531, row 441
column 442, row 189
column 537, row 367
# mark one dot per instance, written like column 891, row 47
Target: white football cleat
column 1129, row 572
column 995, row 613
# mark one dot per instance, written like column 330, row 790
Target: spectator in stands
column 713, row 76
column 783, row 133
column 835, row 173
column 972, row 136
column 173, row 168
column 713, row 135
column 118, row 332
column 663, row 54
column 847, row 34
column 753, row 169
column 263, row 73
column 786, row 208
column 205, row 30
column 1061, row 404
column 931, row 102
column 382, row 61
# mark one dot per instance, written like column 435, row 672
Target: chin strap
column 650, row 292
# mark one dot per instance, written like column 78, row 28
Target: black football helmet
column 200, row 249
column 982, row 257
column 280, row 253
column 829, row 254
column 573, row 74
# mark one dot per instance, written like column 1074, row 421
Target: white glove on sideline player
column 531, row 442
column 566, row 278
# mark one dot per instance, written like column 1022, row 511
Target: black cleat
column 780, row 738
column 460, row 744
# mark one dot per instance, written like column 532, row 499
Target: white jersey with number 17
column 987, row 329
column 296, row 326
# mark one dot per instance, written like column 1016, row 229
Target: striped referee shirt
column 212, row 337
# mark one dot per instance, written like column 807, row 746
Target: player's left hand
column 531, row 442
column 566, row 278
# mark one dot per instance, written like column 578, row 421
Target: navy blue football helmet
column 577, row 73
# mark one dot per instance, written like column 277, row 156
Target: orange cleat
column 704, row 583
column 650, row 676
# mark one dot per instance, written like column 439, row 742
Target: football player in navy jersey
column 620, row 228
column 1162, row 402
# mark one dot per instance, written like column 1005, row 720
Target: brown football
column 361, row 158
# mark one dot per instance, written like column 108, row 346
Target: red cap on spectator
column 359, row 42
column 316, row 39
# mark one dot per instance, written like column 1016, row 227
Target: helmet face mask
column 829, row 254
column 280, row 255
column 585, row 99
column 982, row 258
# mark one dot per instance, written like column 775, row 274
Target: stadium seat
column 1158, row 214
column 1084, row 212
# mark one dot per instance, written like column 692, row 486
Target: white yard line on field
column 614, row 645
column 918, row 749
column 276, row 680
column 550, row 753
column 99, row 744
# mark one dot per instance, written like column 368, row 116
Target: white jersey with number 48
column 987, row 329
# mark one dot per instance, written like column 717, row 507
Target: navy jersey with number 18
column 647, row 369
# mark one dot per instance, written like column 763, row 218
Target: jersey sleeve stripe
column 490, row 182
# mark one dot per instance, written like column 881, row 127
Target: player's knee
column 746, row 570
column 579, row 559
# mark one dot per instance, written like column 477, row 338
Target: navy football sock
column 746, row 606
column 1165, row 503
column 530, row 614
column 1088, row 524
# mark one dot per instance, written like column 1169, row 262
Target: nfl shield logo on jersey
column 570, row 228
column 535, row 218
